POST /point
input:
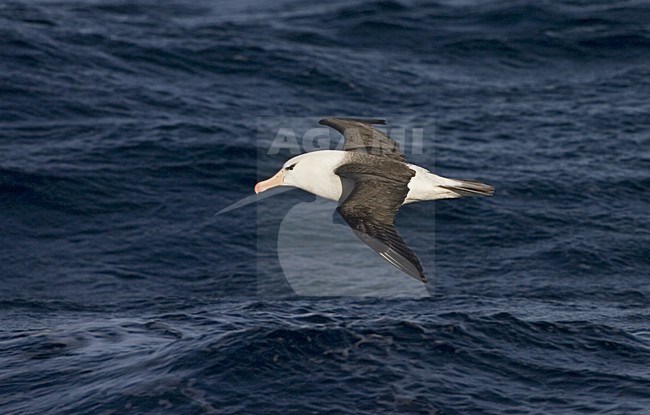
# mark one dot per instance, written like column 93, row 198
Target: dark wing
column 370, row 210
column 361, row 137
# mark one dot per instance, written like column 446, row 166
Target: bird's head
column 286, row 176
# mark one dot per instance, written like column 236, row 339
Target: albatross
column 371, row 180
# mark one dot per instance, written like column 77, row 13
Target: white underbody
column 426, row 186
column 315, row 174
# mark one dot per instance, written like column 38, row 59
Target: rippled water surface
column 125, row 126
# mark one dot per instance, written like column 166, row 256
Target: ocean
column 126, row 126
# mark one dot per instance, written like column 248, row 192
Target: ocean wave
column 393, row 363
column 519, row 32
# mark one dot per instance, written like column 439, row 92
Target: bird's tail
column 469, row 188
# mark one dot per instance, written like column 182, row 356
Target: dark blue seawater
column 126, row 125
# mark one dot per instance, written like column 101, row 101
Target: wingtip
column 417, row 273
column 420, row 277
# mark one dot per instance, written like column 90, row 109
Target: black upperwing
column 371, row 206
column 361, row 137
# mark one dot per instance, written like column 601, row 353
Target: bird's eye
column 292, row 166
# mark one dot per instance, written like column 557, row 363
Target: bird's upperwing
column 361, row 137
column 370, row 209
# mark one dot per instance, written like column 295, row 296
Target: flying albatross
column 371, row 180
